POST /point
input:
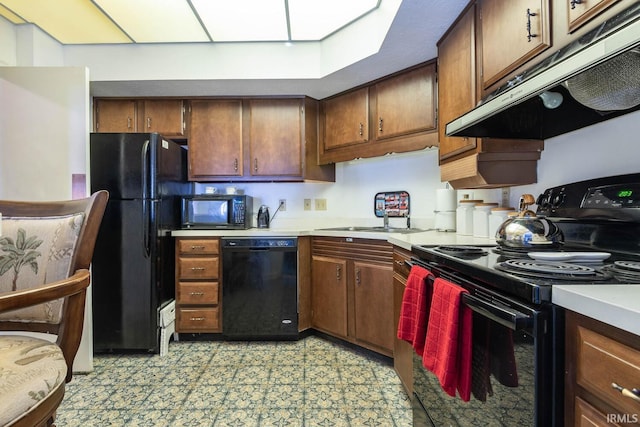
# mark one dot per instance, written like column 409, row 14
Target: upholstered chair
column 45, row 254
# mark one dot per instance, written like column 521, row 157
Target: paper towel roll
column 446, row 200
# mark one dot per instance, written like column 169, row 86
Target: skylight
column 186, row 21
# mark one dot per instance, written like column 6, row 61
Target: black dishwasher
column 260, row 288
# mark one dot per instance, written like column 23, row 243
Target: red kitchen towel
column 447, row 352
column 412, row 325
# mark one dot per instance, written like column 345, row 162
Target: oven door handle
column 505, row 316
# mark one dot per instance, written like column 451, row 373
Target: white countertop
column 617, row 305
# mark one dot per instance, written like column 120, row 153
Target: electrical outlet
column 283, row 204
column 307, row 204
column 321, row 204
column 506, row 195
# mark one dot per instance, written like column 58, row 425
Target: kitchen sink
column 379, row 229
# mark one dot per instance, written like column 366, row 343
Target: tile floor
column 310, row 382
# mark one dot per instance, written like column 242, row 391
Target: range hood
column 598, row 77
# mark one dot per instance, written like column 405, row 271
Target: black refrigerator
column 133, row 262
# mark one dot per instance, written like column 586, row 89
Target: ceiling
column 410, row 40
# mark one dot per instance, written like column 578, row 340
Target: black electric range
column 600, row 223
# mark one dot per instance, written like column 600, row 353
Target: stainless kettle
column 263, row 217
column 526, row 230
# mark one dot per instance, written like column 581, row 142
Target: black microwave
column 219, row 211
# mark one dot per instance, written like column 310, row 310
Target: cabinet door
column 513, row 32
column 374, row 304
column 346, row 119
column 115, row 115
column 276, row 137
column 582, row 11
column 329, row 295
column 406, row 104
column 456, row 82
column 164, row 116
column 215, row 138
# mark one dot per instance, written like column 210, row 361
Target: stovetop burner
column 552, row 270
column 625, row 271
column 462, row 251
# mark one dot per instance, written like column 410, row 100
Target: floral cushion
column 30, row 370
column 35, row 251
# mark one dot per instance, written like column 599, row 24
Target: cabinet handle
column 255, row 164
column 358, row 277
column 574, row 3
column 196, row 293
column 338, row 272
column 529, row 15
column 361, row 132
column 626, row 392
column 128, row 122
column 194, row 247
column 380, row 124
column 197, row 268
column 400, row 263
column 198, row 319
column 148, row 122
column 235, row 165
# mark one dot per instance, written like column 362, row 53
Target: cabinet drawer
column 588, row 416
column 198, row 267
column 197, row 293
column 602, row 361
column 399, row 265
column 200, row 319
column 196, row 247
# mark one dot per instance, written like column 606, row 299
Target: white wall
column 608, row 148
column 8, row 44
column 350, row 198
column 44, row 129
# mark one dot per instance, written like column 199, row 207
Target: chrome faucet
column 386, row 220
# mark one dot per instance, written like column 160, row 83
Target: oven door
column 514, row 364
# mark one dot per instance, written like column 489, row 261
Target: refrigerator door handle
column 144, row 169
column 146, row 212
column 146, row 226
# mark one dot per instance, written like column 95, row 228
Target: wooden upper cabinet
column 456, row 82
column 215, row 139
column 275, row 137
column 164, row 116
column 513, row 32
column 115, row 115
column 406, row 104
column 346, row 119
column 582, row 11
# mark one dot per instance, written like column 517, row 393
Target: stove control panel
column 618, row 196
column 608, row 198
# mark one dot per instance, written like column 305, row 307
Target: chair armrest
column 47, row 292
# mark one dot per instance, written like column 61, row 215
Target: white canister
column 464, row 216
column 481, row 219
column 496, row 218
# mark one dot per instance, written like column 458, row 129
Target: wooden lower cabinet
column 198, row 291
column 402, row 350
column 352, row 291
column 329, row 295
column 598, row 355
